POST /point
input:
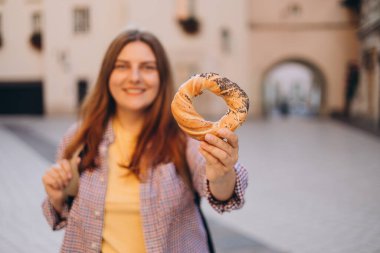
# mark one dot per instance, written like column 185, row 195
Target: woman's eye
column 119, row 67
column 149, row 67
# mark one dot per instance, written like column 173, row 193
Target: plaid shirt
column 171, row 220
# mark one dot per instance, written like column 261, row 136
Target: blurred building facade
column 58, row 45
column 367, row 101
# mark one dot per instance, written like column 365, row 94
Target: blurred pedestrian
column 352, row 82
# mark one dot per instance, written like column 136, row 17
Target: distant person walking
column 352, row 82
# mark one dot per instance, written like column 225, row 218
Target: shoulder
column 66, row 139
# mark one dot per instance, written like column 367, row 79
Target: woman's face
column 134, row 81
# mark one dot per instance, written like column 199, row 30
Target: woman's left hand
column 221, row 154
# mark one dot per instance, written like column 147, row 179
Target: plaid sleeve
column 56, row 220
column 237, row 199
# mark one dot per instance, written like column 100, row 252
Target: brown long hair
column 160, row 140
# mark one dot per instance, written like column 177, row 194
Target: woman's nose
column 135, row 75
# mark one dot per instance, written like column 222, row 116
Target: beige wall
column 69, row 56
column 319, row 34
column 188, row 54
column 367, row 102
column 274, row 11
column 17, row 57
column 202, row 52
column 262, row 33
column 323, row 49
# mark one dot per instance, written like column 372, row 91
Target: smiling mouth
column 133, row 91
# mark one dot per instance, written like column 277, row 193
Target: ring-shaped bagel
column 192, row 122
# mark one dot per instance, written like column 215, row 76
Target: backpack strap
column 210, row 243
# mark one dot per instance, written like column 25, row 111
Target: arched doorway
column 293, row 88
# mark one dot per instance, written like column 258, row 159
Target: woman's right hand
column 55, row 180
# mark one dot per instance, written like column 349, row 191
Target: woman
column 138, row 170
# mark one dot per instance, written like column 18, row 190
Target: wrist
column 57, row 205
column 223, row 188
column 230, row 174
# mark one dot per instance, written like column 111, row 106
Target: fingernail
column 208, row 137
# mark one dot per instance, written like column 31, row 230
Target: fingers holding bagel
column 217, row 153
column 215, row 170
column 223, row 149
column 220, row 158
column 224, row 139
column 228, row 136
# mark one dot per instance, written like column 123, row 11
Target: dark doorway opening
column 82, row 90
column 21, row 98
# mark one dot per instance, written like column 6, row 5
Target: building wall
column 202, row 52
column 318, row 32
column 261, row 33
column 367, row 102
column 68, row 56
column 18, row 60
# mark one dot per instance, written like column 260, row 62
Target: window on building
column 36, row 35
column 82, row 89
column 1, row 31
column 36, row 22
column 81, row 20
column 1, row 22
column 226, row 40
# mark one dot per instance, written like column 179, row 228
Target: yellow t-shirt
column 122, row 230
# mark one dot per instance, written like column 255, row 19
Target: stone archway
column 293, row 87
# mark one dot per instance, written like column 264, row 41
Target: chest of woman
column 162, row 194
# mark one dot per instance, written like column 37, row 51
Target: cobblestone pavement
column 27, row 148
column 314, row 187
